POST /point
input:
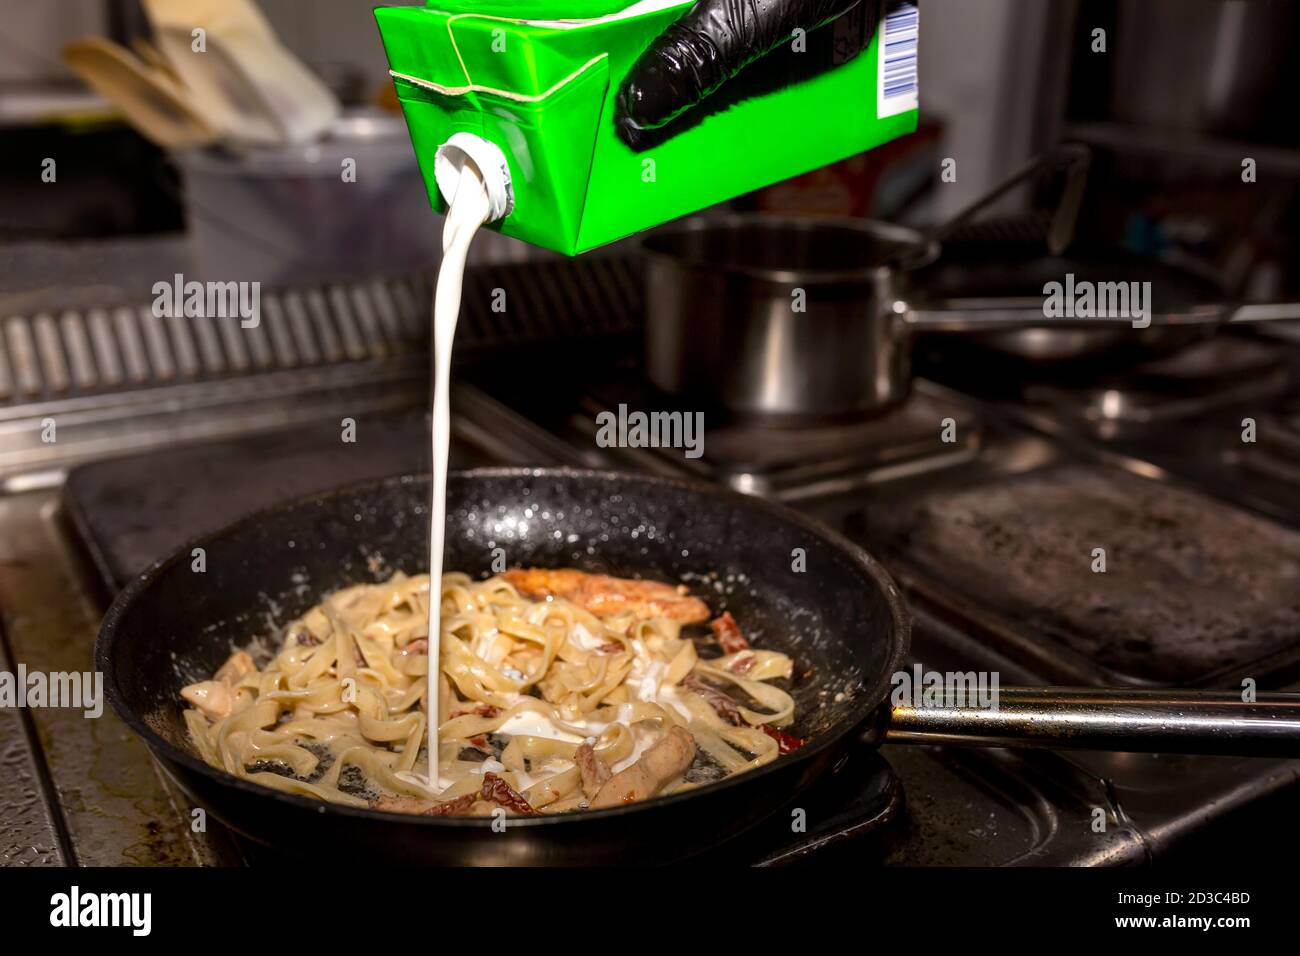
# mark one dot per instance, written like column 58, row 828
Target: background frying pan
column 842, row 620
column 982, row 270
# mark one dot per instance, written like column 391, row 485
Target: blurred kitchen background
column 1184, row 90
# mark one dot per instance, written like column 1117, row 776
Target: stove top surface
column 1016, row 469
column 126, row 512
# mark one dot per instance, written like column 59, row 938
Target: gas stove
column 978, row 503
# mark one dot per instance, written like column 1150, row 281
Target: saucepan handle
column 1143, row 721
column 991, row 315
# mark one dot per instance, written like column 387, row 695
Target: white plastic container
column 289, row 215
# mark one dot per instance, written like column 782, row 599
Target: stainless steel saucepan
column 781, row 317
column 797, row 319
column 787, row 317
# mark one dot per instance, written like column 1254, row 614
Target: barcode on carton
column 899, row 43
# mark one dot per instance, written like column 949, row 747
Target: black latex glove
column 712, row 42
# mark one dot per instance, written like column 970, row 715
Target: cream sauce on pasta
column 336, row 713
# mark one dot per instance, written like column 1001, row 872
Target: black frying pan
column 841, row 619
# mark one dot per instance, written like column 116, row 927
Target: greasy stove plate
column 1194, row 589
column 131, row 511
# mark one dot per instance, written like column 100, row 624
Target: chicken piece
column 214, row 698
column 236, row 666
column 401, row 804
column 669, row 758
column 457, row 806
column 605, row 596
column 574, row 801
column 593, row 769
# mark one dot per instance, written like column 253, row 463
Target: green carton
column 541, row 84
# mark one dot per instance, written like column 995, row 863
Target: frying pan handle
column 1266, row 312
column 1142, row 721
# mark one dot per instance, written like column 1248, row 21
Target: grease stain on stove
column 948, row 818
column 160, row 845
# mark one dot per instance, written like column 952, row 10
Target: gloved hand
column 712, row 42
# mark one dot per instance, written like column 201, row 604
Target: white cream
column 668, row 697
column 413, row 778
column 550, row 768
column 651, row 680
column 468, row 210
column 529, row 723
column 583, row 639
column 484, row 646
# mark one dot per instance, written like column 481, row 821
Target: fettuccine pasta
column 560, row 691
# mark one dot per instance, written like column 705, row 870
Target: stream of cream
column 469, row 209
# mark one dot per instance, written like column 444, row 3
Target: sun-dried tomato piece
column 487, row 711
column 504, row 795
column 613, row 647
column 728, row 633
column 456, row 805
column 785, row 743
